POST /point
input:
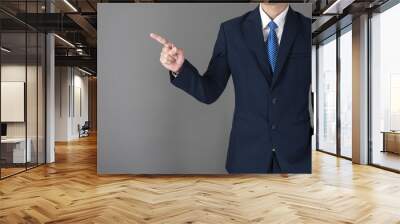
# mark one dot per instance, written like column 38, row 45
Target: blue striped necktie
column 272, row 45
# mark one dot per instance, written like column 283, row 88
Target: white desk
column 19, row 154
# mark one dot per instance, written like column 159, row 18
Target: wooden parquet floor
column 70, row 191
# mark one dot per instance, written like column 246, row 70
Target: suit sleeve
column 207, row 87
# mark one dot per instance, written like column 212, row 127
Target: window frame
column 333, row 37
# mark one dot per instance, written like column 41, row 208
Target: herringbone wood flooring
column 70, row 191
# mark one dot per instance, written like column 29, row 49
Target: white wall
column 69, row 84
column 62, row 81
column 17, row 73
column 14, row 73
column 33, row 126
column 79, row 117
column 13, row 101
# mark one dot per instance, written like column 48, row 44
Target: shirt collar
column 279, row 20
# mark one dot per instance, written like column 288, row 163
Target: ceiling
column 76, row 22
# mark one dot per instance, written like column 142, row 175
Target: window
column 385, row 89
column 346, row 93
column 313, row 89
column 327, row 96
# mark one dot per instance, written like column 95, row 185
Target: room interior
column 48, row 172
column 22, row 102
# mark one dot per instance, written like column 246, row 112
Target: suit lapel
column 288, row 37
column 252, row 32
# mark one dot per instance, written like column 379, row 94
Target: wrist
column 176, row 73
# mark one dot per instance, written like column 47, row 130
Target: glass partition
column 14, row 153
column 22, row 77
column 32, row 95
column 41, row 87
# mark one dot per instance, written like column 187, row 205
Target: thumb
column 174, row 50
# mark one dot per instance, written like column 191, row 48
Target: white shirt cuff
column 174, row 74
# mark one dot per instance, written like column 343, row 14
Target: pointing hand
column 171, row 57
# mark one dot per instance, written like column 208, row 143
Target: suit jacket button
column 273, row 127
column 273, row 149
column 274, row 100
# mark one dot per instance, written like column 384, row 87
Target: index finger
column 159, row 39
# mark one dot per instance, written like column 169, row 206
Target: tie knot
column 272, row 25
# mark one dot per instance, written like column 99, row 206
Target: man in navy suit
column 268, row 53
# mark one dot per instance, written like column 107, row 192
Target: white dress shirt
column 279, row 20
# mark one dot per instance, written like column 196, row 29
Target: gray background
column 146, row 125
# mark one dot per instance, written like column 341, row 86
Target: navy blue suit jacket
column 271, row 111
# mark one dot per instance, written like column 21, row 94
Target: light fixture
column 70, row 5
column 65, row 41
column 337, row 7
column 84, row 71
column 5, row 50
column 79, row 51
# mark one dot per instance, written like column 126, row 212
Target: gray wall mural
column 145, row 124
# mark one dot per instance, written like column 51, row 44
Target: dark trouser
column 274, row 168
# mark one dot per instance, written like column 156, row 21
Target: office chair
column 84, row 130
